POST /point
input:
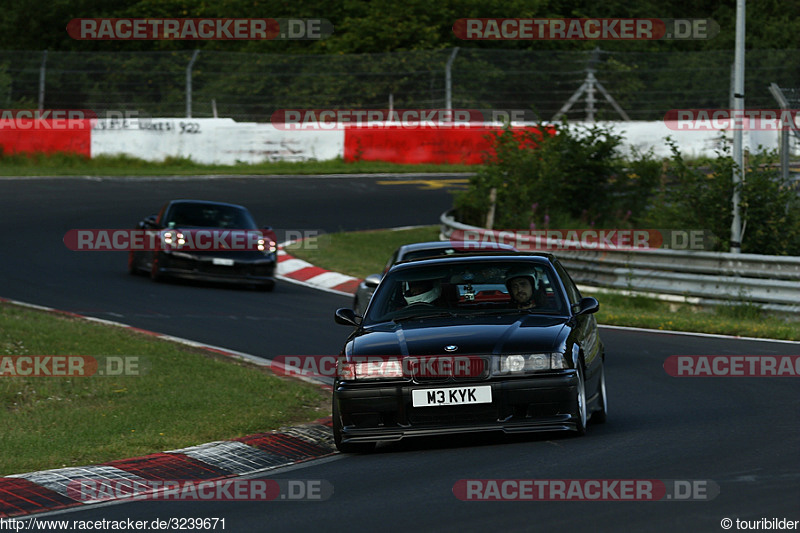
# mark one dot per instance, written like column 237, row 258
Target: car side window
column 572, row 290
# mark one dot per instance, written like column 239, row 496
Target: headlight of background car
column 267, row 246
column 174, row 238
column 512, row 364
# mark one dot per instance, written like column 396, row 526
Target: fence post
column 448, row 81
column 41, row 81
column 784, row 133
column 189, row 84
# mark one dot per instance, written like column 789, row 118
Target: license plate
column 221, row 261
column 451, row 396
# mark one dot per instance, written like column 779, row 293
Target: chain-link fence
column 252, row 86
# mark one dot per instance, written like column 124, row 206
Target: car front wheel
column 155, row 274
column 600, row 416
column 580, row 401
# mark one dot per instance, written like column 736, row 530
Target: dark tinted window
column 464, row 287
column 199, row 215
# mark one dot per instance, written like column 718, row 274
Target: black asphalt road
column 36, row 266
column 741, row 434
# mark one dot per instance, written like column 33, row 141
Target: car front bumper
column 373, row 413
column 259, row 271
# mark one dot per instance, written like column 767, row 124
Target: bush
column 573, row 176
column 701, row 198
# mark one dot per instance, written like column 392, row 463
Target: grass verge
column 187, row 396
column 363, row 253
column 359, row 253
column 64, row 164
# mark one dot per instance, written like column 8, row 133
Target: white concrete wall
column 220, row 141
column 646, row 135
column 224, row 141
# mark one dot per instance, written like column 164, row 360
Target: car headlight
column 511, row 364
column 174, row 238
column 267, row 246
column 370, row 368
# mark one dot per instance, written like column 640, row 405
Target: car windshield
column 466, row 288
column 197, row 215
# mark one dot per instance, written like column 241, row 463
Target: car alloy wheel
column 599, row 416
column 580, row 401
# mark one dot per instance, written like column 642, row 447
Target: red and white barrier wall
column 224, row 141
column 46, row 135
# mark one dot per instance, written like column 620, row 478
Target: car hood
column 478, row 335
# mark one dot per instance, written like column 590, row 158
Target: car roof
column 205, row 202
column 436, row 245
column 493, row 256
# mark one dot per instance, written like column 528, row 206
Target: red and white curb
column 302, row 272
column 52, row 490
column 48, row 490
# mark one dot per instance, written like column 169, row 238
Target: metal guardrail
column 712, row 278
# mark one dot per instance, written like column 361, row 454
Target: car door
column 586, row 329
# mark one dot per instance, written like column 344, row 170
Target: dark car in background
column 229, row 247
column 419, row 250
column 446, row 348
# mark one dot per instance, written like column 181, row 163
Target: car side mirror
column 372, row 280
column 587, row 306
column 150, row 222
column 346, row 317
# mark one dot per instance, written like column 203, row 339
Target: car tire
column 133, row 266
column 267, row 287
column 155, row 275
column 347, row 447
column 600, row 416
column 357, row 307
column 580, row 401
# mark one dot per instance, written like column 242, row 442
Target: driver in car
column 423, row 292
column 522, row 288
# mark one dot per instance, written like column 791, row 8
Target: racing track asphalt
column 740, row 433
column 36, row 266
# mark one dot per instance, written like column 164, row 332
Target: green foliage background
column 387, row 26
column 578, row 178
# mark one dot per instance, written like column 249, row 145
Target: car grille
column 464, row 368
column 237, row 269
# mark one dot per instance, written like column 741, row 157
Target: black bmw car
column 490, row 342
column 207, row 241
